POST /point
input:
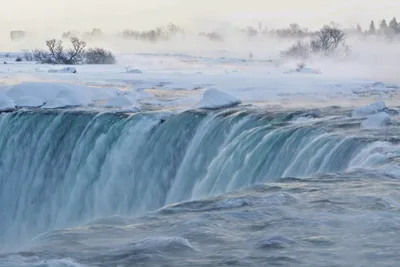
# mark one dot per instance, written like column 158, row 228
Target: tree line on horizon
column 384, row 28
column 294, row 30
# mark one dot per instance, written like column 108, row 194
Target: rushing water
column 233, row 187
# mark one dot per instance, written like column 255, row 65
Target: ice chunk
column 369, row 109
column 376, row 121
column 63, row 70
column 6, row 103
column 28, row 101
column 129, row 70
column 213, row 99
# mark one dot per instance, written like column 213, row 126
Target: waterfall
column 63, row 168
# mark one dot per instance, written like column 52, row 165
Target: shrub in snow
column 18, row 59
column 330, row 40
column 369, row 109
column 299, row 50
column 28, row 56
column 214, row 99
column 56, row 53
column 99, row 56
column 376, row 121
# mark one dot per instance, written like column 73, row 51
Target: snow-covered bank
column 178, row 81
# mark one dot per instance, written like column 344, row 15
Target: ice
column 6, row 103
column 369, row 109
column 28, row 101
column 376, row 121
column 213, row 99
column 63, row 70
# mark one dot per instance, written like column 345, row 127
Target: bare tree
column 328, row 39
column 75, row 54
column 43, row 57
column 56, row 49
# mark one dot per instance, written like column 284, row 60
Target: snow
column 63, row 70
column 213, row 99
column 369, row 109
column 376, row 121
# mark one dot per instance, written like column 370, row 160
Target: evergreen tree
column 372, row 28
column 359, row 29
column 383, row 26
column 394, row 25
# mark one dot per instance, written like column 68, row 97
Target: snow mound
column 214, row 99
column 376, row 121
column 63, row 70
column 122, row 101
column 369, row 109
column 129, row 70
column 6, row 103
column 28, row 101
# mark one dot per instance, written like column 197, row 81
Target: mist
column 374, row 57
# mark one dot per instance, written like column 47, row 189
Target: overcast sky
column 140, row 14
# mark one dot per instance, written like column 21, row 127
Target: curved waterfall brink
column 59, row 169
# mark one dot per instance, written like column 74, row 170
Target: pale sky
column 46, row 15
